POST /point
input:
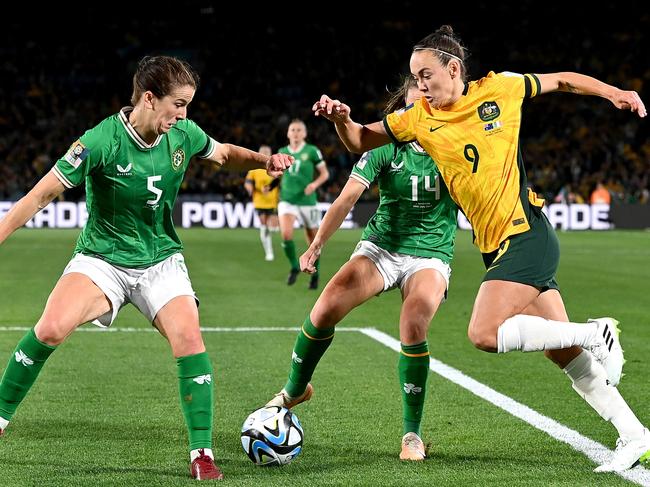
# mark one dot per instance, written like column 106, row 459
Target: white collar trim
column 417, row 147
column 139, row 141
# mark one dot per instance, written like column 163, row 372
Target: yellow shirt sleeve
column 519, row 85
column 400, row 125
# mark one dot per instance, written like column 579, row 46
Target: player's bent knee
column 52, row 332
column 482, row 340
column 323, row 318
column 185, row 349
column 189, row 342
column 412, row 335
column 327, row 311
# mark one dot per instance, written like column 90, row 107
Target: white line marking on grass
column 593, row 450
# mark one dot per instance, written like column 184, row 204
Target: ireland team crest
column 178, row 157
column 489, row 111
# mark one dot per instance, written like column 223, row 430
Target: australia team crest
column 489, row 111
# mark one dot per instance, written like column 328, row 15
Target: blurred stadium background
column 105, row 410
column 66, row 70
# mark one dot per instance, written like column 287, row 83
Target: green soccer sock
column 22, row 370
column 310, row 346
column 289, row 248
column 413, row 367
column 195, row 388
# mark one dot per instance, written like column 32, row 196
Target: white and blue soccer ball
column 272, row 436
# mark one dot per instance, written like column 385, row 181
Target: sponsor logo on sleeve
column 76, row 154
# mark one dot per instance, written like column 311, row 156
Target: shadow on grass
column 84, row 468
column 80, row 429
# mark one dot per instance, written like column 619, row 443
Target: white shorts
column 309, row 215
column 397, row 268
column 148, row 289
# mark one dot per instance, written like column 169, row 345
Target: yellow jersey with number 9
column 475, row 145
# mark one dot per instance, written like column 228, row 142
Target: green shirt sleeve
column 84, row 155
column 371, row 164
column 200, row 144
column 317, row 155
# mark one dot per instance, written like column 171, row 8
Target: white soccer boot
column 3, row 425
column 627, row 454
column 606, row 348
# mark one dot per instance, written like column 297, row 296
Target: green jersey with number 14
column 131, row 188
column 416, row 215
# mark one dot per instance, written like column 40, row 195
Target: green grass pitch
column 105, row 409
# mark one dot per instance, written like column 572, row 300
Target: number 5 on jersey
column 151, row 180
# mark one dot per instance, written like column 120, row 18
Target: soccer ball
column 272, row 436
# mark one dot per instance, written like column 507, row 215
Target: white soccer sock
column 196, row 453
column 265, row 237
column 590, row 382
column 3, row 423
column 533, row 333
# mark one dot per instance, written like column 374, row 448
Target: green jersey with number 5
column 131, row 188
column 416, row 215
column 300, row 174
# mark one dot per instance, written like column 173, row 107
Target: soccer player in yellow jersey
column 471, row 129
column 259, row 186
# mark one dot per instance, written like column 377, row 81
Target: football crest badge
column 489, row 111
column 178, row 158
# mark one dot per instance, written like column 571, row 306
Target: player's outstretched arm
column 331, row 223
column 581, row 84
column 48, row 188
column 241, row 159
column 356, row 137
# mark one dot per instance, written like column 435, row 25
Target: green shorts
column 531, row 257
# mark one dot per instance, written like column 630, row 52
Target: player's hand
column 266, row 188
column 309, row 258
column 309, row 189
column 277, row 164
column 629, row 100
column 333, row 110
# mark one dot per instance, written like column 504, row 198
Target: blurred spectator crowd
column 257, row 76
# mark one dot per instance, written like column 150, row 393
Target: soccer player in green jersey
column 471, row 130
column 298, row 195
column 409, row 244
column 132, row 165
